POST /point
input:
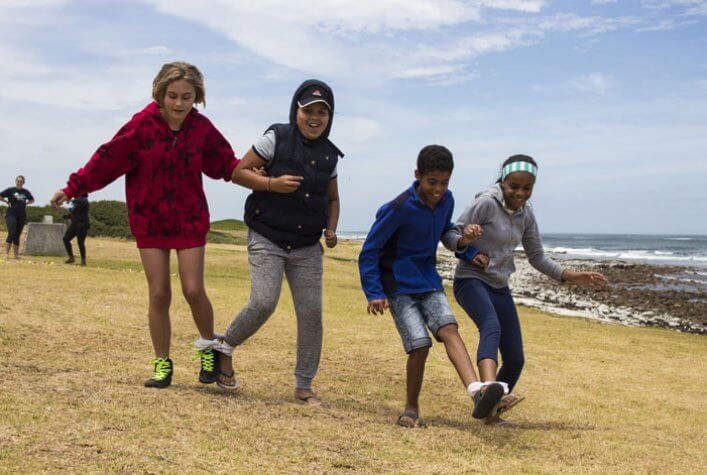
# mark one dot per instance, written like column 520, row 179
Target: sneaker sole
column 227, row 387
column 488, row 400
column 208, row 380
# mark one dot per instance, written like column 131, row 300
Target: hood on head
column 494, row 191
column 326, row 90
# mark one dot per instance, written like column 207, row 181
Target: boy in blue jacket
column 398, row 272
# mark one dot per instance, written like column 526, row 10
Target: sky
column 609, row 96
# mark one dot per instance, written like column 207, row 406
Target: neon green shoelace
column 163, row 368
column 207, row 358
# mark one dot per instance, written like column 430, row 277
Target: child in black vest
column 286, row 213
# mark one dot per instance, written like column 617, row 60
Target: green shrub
column 229, row 225
column 109, row 218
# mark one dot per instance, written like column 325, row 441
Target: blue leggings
column 494, row 313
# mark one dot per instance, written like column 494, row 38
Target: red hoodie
column 163, row 186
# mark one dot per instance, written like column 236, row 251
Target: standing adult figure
column 80, row 222
column 163, row 152
column 17, row 197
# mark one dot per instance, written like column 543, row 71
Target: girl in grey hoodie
column 482, row 272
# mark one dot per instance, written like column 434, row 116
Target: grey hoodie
column 502, row 234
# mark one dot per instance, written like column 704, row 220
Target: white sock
column 222, row 347
column 203, row 343
column 474, row 388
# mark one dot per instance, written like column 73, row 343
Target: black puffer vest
column 295, row 219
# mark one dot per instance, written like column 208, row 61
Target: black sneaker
column 163, row 374
column 486, row 399
column 209, row 365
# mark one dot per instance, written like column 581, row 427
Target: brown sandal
column 227, row 382
column 508, row 402
column 410, row 420
column 308, row 399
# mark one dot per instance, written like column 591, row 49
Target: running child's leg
column 457, row 353
column 410, row 323
column 440, row 320
column 266, row 264
column 191, row 273
column 156, row 265
column 303, row 270
column 511, row 344
column 474, row 297
column 415, row 372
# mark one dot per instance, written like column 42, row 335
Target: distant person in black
column 17, row 197
column 78, row 213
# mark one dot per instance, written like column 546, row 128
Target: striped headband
column 518, row 167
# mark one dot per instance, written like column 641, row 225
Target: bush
column 109, row 218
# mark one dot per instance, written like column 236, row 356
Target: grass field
column 74, row 350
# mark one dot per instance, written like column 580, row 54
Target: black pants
column 15, row 224
column 78, row 231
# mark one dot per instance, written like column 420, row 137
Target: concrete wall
column 44, row 239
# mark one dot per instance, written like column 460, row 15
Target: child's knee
column 419, row 353
column 490, row 329
column 194, row 293
column 448, row 332
column 262, row 307
column 160, row 296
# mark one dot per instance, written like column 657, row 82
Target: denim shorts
column 415, row 313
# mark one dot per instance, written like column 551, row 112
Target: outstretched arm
column 586, row 279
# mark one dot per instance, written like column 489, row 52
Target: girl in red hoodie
column 163, row 151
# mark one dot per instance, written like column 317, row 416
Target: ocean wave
column 630, row 254
column 679, row 239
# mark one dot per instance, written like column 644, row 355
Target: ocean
column 669, row 249
column 682, row 281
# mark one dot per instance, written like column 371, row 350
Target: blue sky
column 610, row 97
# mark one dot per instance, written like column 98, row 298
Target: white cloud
column 688, row 7
column 348, row 37
column 596, row 83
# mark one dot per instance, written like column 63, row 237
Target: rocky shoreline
column 637, row 295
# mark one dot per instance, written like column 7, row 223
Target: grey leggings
column 303, row 269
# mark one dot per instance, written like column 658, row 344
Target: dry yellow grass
column 74, row 350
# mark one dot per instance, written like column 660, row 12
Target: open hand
column 587, row 279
